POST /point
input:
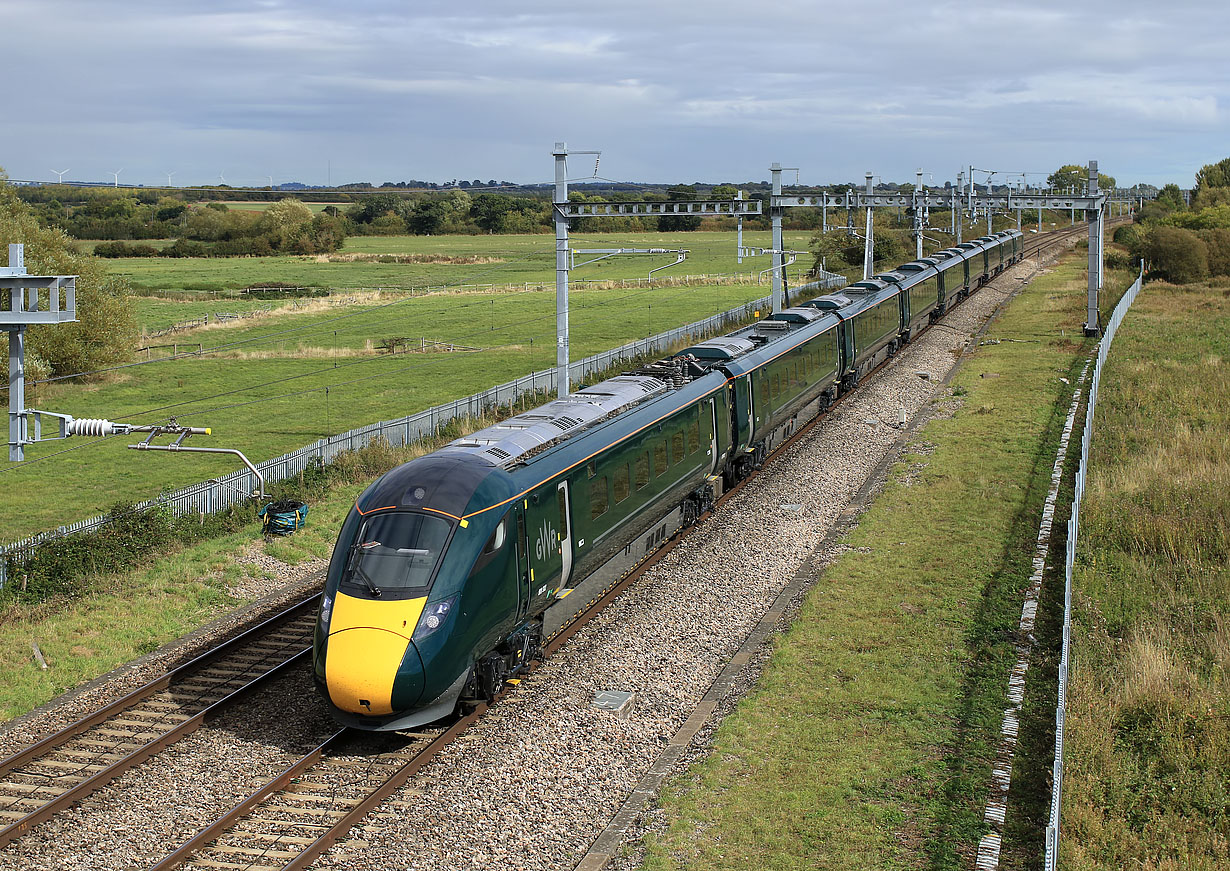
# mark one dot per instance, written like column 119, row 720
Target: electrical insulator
column 95, row 426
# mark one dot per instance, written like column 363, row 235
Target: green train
column 451, row 569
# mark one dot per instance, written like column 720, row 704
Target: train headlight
column 326, row 610
column 434, row 616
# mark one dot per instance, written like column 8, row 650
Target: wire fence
column 1051, row 856
column 221, row 493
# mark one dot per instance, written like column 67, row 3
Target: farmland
column 277, row 382
column 506, row 260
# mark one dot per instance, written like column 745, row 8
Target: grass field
column 517, row 259
column 1147, row 756
column 263, row 205
column 869, row 739
column 265, row 391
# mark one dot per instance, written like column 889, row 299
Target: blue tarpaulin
column 283, row 518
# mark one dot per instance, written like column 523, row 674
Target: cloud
column 668, row 90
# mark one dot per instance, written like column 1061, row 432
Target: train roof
column 513, row 440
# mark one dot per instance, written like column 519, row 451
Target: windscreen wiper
column 356, row 567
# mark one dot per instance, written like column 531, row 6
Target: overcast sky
column 705, row 90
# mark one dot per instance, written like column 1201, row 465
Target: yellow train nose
column 361, row 668
column 370, row 656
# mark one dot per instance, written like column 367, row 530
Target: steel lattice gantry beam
column 697, row 208
column 941, row 200
column 566, row 211
column 1093, row 203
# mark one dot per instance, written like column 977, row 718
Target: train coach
column 451, row 569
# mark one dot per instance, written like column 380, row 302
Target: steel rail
column 100, row 779
column 130, row 700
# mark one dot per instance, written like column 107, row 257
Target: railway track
column 294, row 817
column 44, row 779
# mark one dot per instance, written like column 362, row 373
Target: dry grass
column 450, row 259
column 1148, row 754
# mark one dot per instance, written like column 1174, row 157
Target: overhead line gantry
column 1093, row 203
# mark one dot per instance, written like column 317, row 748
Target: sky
column 669, row 91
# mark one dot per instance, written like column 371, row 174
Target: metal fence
column 220, row 493
column 1051, row 856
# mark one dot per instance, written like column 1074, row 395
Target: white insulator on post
column 94, row 426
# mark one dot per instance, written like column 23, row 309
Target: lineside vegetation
column 1148, row 748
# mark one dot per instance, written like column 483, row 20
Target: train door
column 709, row 416
column 523, row 567
column 741, row 402
column 545, row 545
column 565, row 531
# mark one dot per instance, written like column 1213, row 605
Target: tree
column 1171, row 197
column 491, row 211
column 724, row 192
column 105, row 332
column 428, row 217
column 1074, row 176
column 284, row 222
column 1214, row 175
column 1176, row 255
column 679, row 223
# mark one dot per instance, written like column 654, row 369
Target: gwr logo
column 547, row 541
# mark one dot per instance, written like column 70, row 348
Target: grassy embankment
column 112, row 619
column 869, row 739
column 1148, row 747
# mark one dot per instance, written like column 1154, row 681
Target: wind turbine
column 60, row 173
column 117, row 176
column 270, row 181
column 169, row 174
column 221, row 177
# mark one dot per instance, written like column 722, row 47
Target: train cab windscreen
column 396, row 555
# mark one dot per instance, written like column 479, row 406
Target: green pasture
column 279, row 383
column 263, row 205
column 513, row 260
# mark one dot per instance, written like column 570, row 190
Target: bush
column 186, row 248
column 120, row 249
column 1218, row 242
column 1178, row 256
column 66, row 567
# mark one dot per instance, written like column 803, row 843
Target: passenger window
column 621, row 483
column 599, row 500
column 642, row 470
column 659, row 457
column 677, row 447
column 496, row 541
column 693, row 433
